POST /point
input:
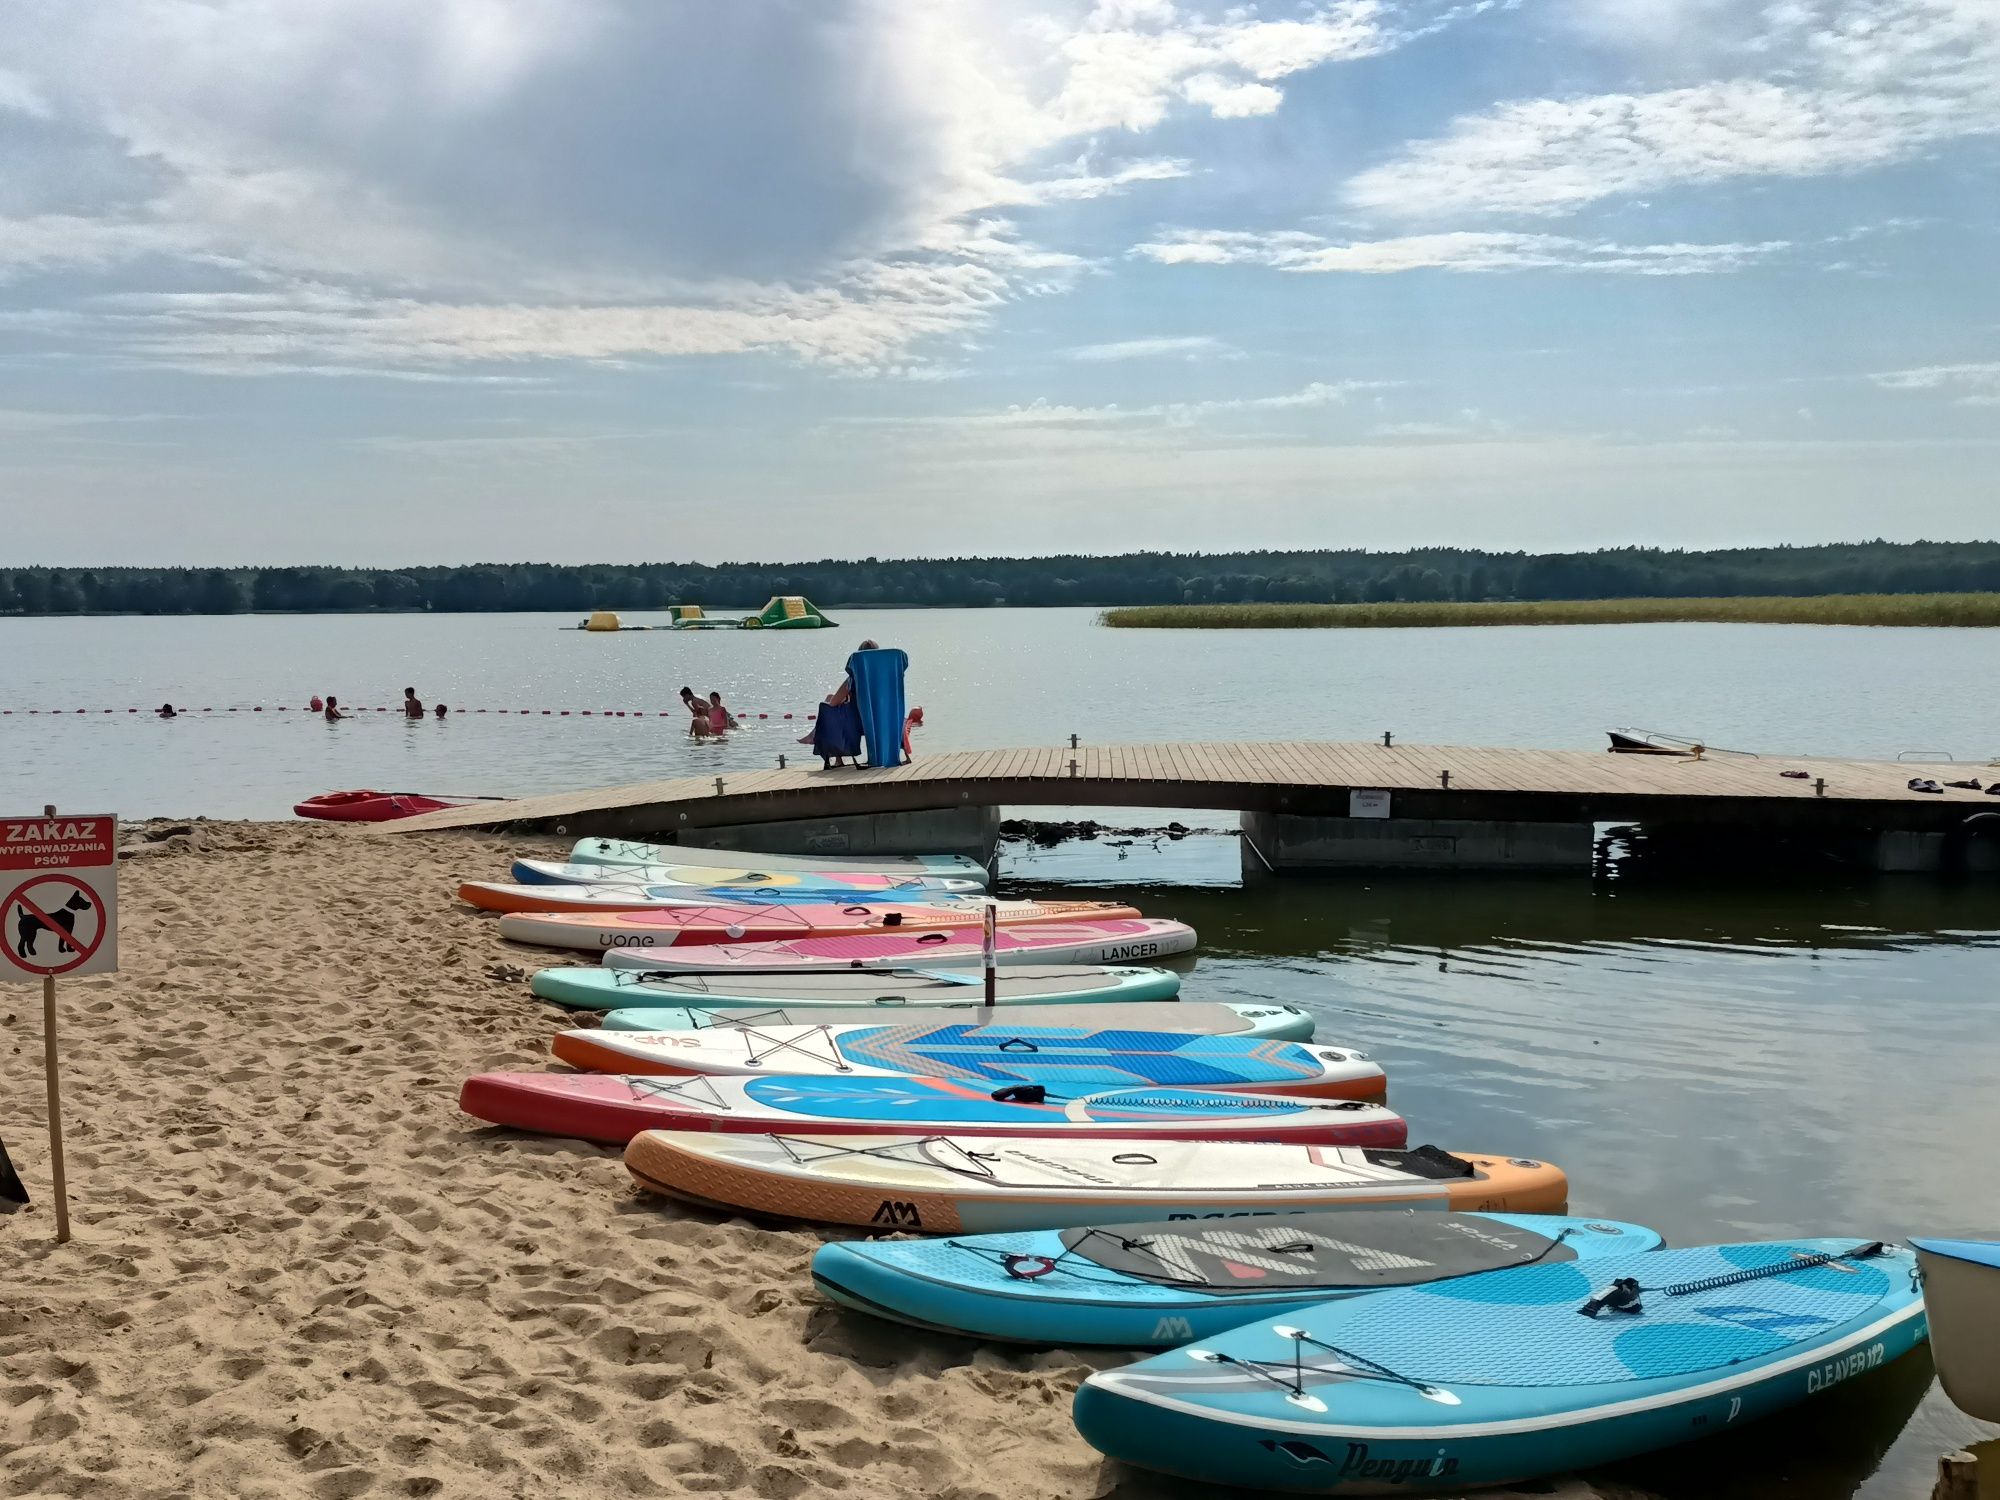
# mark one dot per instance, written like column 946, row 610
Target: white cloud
column 1464, row 250
column 499, row 179
column 1044, row 413
column 1816, row 86
column 1966, row 385
column 1198, row 346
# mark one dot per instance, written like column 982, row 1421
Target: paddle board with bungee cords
column 1157, row 1284
column 1282, row 1022
column 677, row 926
column 1126, row 941
column 955, row 1184
column 619, row 896
column 1512, row 1375
column 837, row 884
column 611, row 1107
column 628, row 852
column 1018, row 1049
column 600, row 987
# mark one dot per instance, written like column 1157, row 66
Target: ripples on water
column 1720, row 1059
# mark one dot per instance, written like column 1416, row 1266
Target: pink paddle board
column 678, row 926
column 1125, row 940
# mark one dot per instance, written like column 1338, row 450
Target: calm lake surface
column 1717, row 1056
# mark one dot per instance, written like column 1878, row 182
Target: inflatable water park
column 780, row 612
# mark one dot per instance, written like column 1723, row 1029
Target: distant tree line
column 1348, row 576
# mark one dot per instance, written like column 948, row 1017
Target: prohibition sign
column 84, row 948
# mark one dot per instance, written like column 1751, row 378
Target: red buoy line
column 397, row 709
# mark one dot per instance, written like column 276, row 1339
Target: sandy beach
column 299, row 1270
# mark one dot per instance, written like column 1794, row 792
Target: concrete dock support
column 1280, row 841
column 973, row 831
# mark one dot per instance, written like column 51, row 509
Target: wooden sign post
column 59, row 916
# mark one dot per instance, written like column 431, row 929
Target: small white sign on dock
column 1367, row 803
column 60, row 913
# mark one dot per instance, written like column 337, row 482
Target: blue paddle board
column 1136, row 1286
column 1507, row 1376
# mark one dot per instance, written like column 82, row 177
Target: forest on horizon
column 1348, row 576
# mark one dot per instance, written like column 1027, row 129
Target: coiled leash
column 1624, row 1295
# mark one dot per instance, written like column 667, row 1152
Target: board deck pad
column 1377, row 1250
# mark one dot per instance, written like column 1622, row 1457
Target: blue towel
column 878, row 693
column 837, row 730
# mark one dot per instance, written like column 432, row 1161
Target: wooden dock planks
column 1248, row 774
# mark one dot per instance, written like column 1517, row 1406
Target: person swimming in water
column 413, row 707
column 166, row 711
column 333, row 713
column 697, row 714
column 441, row 712
column 719, row 718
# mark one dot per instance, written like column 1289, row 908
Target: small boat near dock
column 1962, row 1293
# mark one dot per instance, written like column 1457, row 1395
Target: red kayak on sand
column 367, row 807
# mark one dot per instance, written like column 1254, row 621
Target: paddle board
column 1161, row 1283
column 1017, row 1050
column 840, row 884
column 1498, row 1379
column 603, row 988
column 679, row 926
column 618, row 896
column 954, row 1184
column 1283, row 1022
column 628, row 852
column 1127, row 941
column 616, row 1107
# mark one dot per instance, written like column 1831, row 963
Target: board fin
column 12, row 1189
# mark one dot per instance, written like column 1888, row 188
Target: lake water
column 1716, row 1056
column 985, row 678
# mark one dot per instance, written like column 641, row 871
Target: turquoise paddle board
column 1136, row 1286
column 1512, row 1375
column 1023, row 984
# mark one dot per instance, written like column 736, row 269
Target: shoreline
column 299, row 1270
column 1903, row 611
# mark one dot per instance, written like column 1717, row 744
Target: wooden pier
column 1383, row 795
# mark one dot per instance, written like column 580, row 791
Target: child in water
column 333, row 713
column 719, row 720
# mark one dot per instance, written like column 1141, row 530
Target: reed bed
column 1825, row 609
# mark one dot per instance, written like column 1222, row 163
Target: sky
column 374, row 282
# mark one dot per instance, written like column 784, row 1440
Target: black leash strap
column 1625, row 1293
